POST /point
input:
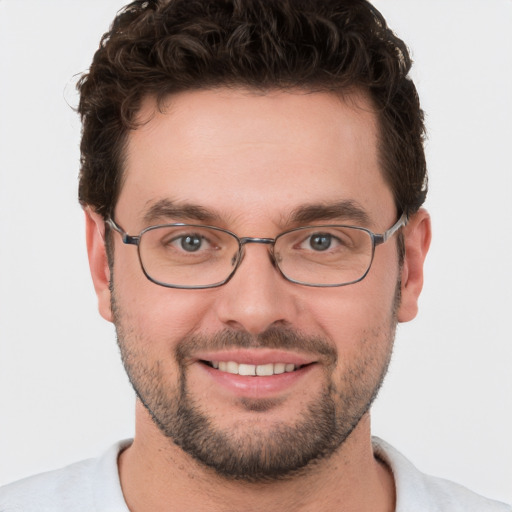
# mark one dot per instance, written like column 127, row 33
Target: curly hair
column 161, row 47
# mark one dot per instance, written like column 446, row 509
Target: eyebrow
column 347, row 210
column 165, row 209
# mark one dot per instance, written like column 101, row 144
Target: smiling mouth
column 255, row 370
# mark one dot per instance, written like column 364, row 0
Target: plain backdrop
column 447, row 401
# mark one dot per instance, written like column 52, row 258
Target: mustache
column 282, row 338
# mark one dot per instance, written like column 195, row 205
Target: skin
column 251, row 159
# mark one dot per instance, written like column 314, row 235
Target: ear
column 98, row 263
column 417, row 234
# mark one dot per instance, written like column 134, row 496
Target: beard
column 249, row 450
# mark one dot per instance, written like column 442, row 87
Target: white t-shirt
column 93, row 486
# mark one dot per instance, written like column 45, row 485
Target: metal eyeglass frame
column 377, row 239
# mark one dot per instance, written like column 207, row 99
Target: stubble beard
column 248, row 451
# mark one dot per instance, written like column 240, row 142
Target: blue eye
column 320, row 241
column 190, row 243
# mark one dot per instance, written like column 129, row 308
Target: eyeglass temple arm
column 127, row 239
column 402, row 221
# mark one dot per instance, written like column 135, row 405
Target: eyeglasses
column 195, row 256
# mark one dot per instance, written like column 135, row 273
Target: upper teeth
column 253, row 369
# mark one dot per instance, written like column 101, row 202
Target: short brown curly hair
column 160, row 47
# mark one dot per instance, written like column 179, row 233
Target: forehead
column 243, row 154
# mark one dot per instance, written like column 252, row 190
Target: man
column 265, row 161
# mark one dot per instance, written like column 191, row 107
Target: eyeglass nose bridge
column 255, row 240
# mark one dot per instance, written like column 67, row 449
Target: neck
column 158, row 476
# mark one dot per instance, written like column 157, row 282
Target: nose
column 257, row 297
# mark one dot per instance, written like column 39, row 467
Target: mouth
column 256, row 373
column 254, row 370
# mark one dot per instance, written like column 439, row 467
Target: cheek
column 158, row 315
column 355, row 313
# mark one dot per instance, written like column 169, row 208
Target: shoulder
column 74, row 488
column 69, row 488
column 425, row 493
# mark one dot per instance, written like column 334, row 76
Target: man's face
column 255, row 164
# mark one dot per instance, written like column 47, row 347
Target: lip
column 256, row 386
column 259, row 356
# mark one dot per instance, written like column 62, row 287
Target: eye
column 187, row 242
column 191, row 243
column 320, row 241
column 332, row 240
